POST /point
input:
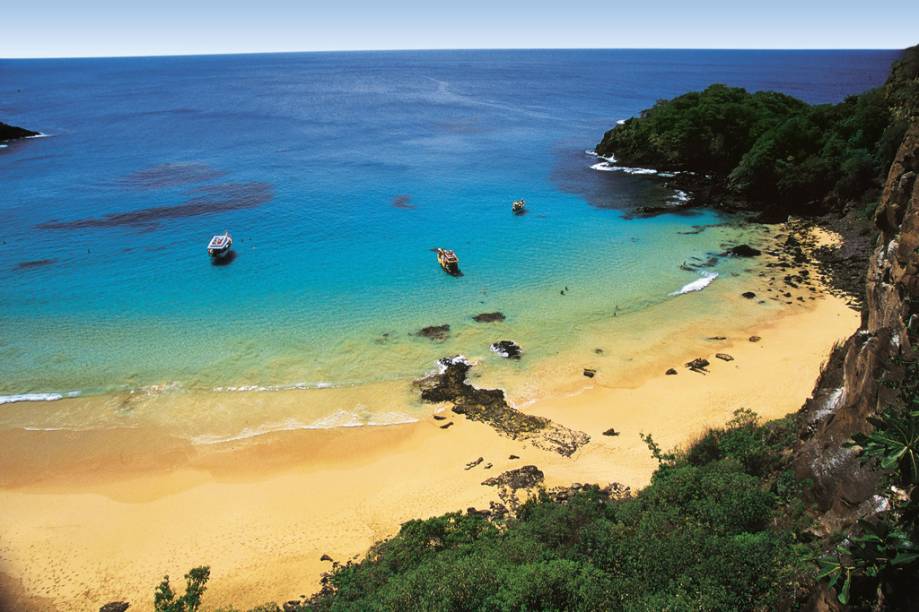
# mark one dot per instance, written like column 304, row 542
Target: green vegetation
column 714, row 530
column 772, row 150
column 166, row 600
column 718, row 528
column 878, row 561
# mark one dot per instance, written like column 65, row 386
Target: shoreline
column 102, row 515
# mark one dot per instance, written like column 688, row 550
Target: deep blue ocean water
column 336, row 173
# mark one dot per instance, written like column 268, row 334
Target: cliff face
column 852, row 388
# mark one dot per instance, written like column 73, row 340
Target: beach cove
column 100, row 514
column 264, row 416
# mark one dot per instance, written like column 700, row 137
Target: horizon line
column 436, row 49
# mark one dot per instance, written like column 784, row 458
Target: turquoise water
column 337, row 174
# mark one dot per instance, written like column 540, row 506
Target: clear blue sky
column 66, row 28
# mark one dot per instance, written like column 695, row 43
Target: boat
column 448, row 261
column 220, row 245
column 518, row 206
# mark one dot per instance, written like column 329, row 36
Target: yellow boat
column 448, row 261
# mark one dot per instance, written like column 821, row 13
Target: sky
column 79, row 28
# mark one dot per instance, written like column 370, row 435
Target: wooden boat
column 518, row 206
column 448, row 261
column 220, row 245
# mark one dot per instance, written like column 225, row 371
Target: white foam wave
column 442, row 364
column 620, row 122
column 707, row 278
column 680, row 196
column 607, row 166
column 301, row 386
column 341, row 418
column 36, row 397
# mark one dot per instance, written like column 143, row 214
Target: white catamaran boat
column 220, row 245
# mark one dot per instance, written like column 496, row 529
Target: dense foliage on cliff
column 714, row 530
column 769, row 148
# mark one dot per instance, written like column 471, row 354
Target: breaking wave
column 707, row 278
column 341, row 418
column 36, row 397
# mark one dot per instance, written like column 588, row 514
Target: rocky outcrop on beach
column 12, row 132
column 490, row 406
column 855, row 383
column 525, row 477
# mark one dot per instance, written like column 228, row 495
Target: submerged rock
column 525, row 477
column 507, row 349
column 437, row 333
column 489, row 317
column 742, row 250
column 491, row 407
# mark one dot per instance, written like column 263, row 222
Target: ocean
column 337, row 174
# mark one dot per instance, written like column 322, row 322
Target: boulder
column 748, row 294
column 724, row 357
column 755, row 338
column 590, row 372
column 698, row 364
column 610, row 432
column 507, row 349
column 742, row 250
column 671, row 372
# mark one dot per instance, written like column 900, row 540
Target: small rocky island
column 12, row 132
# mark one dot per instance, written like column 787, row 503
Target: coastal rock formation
column 437, row 333
column 852, row 387
column 742, row 250
column 507, row 349
column 525, row 477
column 12, row 132
column 491, row 407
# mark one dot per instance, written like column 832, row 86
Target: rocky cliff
column 854, row 385
column 12, row 132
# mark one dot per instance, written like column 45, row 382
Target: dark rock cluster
column 490, row 406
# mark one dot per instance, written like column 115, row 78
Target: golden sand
column 89, row 517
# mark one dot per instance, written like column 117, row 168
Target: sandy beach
column 94, row 516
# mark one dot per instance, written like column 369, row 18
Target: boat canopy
column 219, row 242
